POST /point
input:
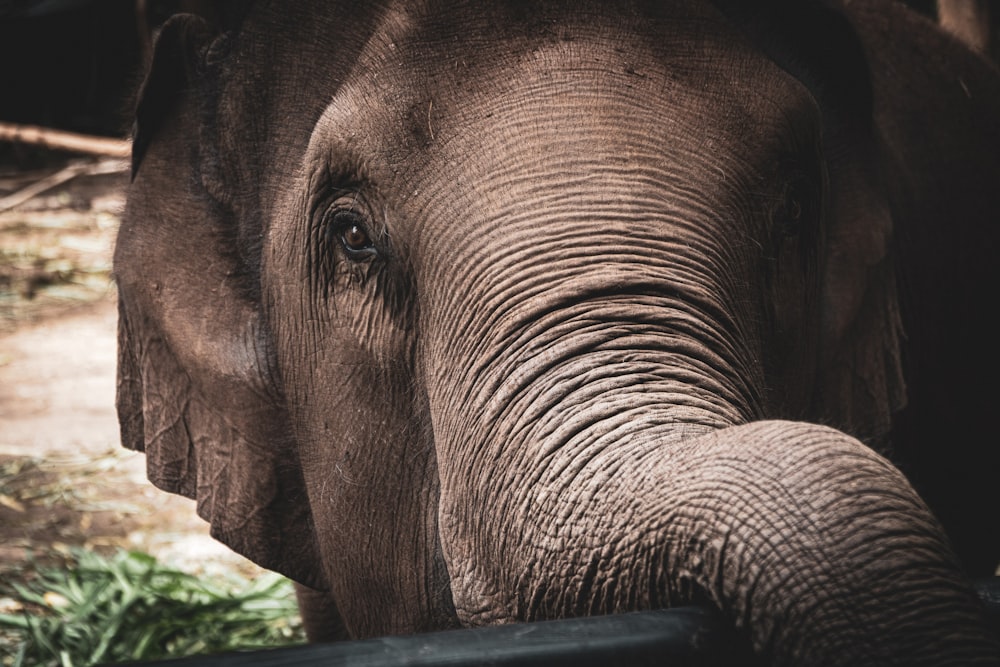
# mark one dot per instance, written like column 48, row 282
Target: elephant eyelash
column 348, row 240
column 346, row 248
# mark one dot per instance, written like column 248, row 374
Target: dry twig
column 67, row 141
column 67, row 173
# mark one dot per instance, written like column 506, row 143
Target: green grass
column 100, row 610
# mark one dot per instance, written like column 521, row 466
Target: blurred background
column 93, row 558
column 84, row 538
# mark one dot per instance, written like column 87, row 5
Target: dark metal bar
column 682, row 636
column 685, row 637
column 989, row 593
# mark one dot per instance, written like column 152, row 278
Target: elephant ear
column 176, row 56
column 197, row 386
column 860, row 380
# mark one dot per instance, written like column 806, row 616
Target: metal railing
column 685, row 637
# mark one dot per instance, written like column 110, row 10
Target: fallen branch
column 66, row 141
column 58, row 178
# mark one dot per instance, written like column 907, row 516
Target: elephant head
column 467, row 314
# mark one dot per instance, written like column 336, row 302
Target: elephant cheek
column 370, row 473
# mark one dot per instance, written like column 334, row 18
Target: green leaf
column 131, row 607
column 19, row 621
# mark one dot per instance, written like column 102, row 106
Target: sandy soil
column 64, row 479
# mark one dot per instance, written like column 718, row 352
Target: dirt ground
column 64, row 479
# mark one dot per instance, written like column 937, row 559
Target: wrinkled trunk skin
column 607, row 451
column 604, row 441
column 614, row 490
column 797, row 532
column 596, row 374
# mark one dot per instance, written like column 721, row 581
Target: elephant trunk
column 601, row 448
column 810, row 543
column 815, row 544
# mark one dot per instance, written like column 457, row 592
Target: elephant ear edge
column 860, row 383
column 197, row 387
column 177, row 51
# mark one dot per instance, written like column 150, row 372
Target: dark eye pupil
column 355, row 238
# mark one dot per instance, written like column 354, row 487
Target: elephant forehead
column 460, row 93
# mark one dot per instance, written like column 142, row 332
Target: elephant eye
column 355, row 238
column 349, row 229
column 796, row 208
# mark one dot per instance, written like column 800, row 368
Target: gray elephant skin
column 463, row 314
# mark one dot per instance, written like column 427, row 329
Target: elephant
column 462, row 314
column 969, row 21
